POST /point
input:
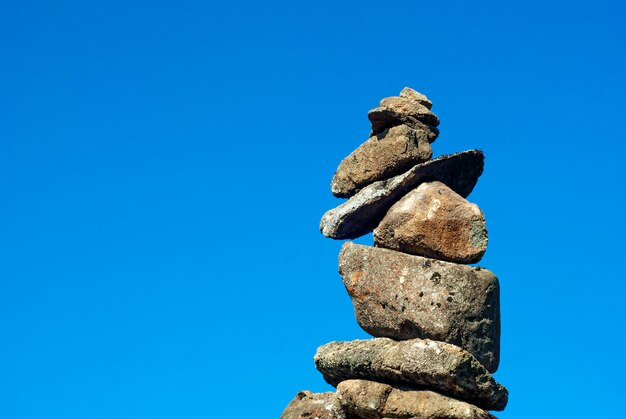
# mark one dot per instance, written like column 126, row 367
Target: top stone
column 410, row 108
column 417, row 96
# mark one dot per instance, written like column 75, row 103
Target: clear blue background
column 164, row 166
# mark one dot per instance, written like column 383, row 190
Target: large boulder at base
column 361, row 213
column 397, row 110
column 420, row 364
column 416, row 96
column 307, row 405
column 387, row 154
column 402, row 297
column 434, row 221
column 372, row 400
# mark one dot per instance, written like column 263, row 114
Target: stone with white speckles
column 314, row 405
column 417, row 364
column 434, row 221
column 372, row 400
column 402, row 297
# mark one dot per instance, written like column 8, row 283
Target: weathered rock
column 401, row 296
column 387, row 154
column 363, row 211
column 314, row 405
column 416, row 96
column 434, row 221
column 372, row 400
column 396, row 110
column 417, row 363
column 431, row 131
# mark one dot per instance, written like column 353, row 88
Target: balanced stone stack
column 435, row 320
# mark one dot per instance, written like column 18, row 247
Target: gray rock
column 420, row 364
column 372, row 400
column 364, row 211
column 402, row 297
column 396, row 110
column 314, row 405
column 434, row 221
column 387, row 154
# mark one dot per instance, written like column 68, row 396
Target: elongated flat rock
column 372, row 400
column 397, row 110
column 421, row 364
column 314, row 405
column 382, row 156
column 402, row 297
column 434, row 221
column 364, row 211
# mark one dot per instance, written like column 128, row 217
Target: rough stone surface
column 372, row 400
column 417, row 96
column 434, row 221
column 420, row 364
column 431, row 131
column 400, row 296
column 397, row 110
column 314, row 405
column 363, row 211
column 387, row 154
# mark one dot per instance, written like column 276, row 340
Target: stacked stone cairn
column 435, row 319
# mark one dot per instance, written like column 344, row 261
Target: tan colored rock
column 363, row 212
column 409, row 106
column 419, row 364
column 434, row 221
column 416, row 96
column 402, row 297
column 307, row 405
column 372, row 400
column 387, row 154
column 397, row 110
column 363, row 398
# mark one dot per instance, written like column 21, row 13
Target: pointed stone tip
column 410, row 93
column 326, row 225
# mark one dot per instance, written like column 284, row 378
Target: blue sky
column 164, row 166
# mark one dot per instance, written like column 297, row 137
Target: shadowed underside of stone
column 382, row 156
column 434, row 221
column 364, row 211
column 372, row 400
column 402, row 297
column 314, row 405
column 420, row 364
